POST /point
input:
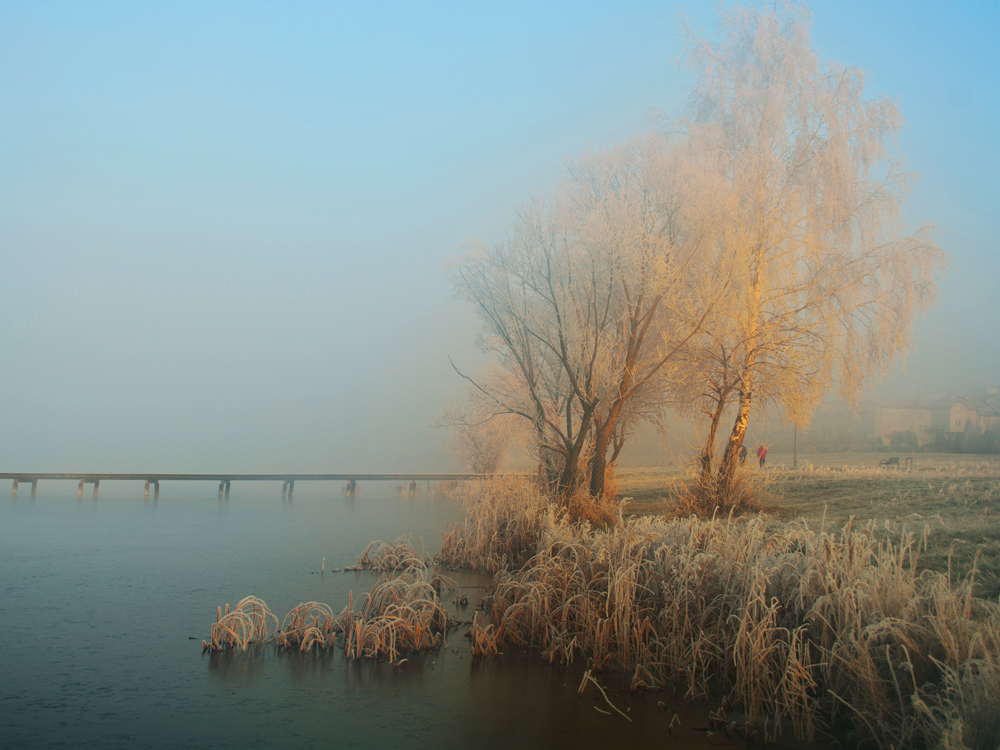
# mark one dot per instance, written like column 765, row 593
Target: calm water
column 101, row 600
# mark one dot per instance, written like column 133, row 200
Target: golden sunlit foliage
column 824, row 282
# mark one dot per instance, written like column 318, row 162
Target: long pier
column 225, row 480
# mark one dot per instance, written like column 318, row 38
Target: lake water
column 105, row 603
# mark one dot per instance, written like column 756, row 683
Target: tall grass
column 800, row 630
column 501, row 528
column 307, row 625
column 401, row 614
column 386, row 557
column 250, row 622
column 749, row 491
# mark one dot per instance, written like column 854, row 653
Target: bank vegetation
column 798, row 631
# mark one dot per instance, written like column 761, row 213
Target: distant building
column 935, row 420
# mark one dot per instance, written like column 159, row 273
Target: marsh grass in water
column 801, row 627
column 387, row 557
column 401, row 614
column 307, row 625
column 249, row 623
column 497, row 534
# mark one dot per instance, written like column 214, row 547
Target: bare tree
column 519, row 288
column 825, row 283
column 585, row 305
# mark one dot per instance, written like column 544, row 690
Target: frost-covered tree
column 584, row 305
column 826, row 284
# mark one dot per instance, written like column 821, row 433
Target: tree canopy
column 826, row 284
column 749, row 257
column 584, row 304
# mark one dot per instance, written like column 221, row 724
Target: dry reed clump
column 248, row 623
column 307, row 625
column 399, row 615
column 967, row 715
column 390, row 556
column 501, row 530
column 602, row 512
column 802, row 629
column 750, row 491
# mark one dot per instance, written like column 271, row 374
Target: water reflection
column 105, row 596
column 239, row 667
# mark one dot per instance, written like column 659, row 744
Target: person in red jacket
column 762, row 454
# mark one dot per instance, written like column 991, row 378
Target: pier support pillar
column 228, row 485
column 14, row 489
column 79, row 490
column 97, row 486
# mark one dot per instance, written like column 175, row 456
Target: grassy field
column 952, row 501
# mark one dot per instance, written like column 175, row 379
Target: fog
column 225, row 233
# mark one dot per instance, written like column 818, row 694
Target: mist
column 225, row 233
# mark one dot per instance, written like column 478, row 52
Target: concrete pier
column 96, row 481
column 225, row 480
column 34, row 485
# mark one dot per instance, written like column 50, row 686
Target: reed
column 800, row 629
column 602, row 512
column 749, row 491
column 400, row 615
column 249, row 622
column 503, row 523
column 967, row 715
column 485, row 638
column 387, row 557
column 309, row 624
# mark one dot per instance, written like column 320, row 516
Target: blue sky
column 224, row 228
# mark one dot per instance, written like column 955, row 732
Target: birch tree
column 826, row 282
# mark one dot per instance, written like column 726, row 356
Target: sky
column 225, row 228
